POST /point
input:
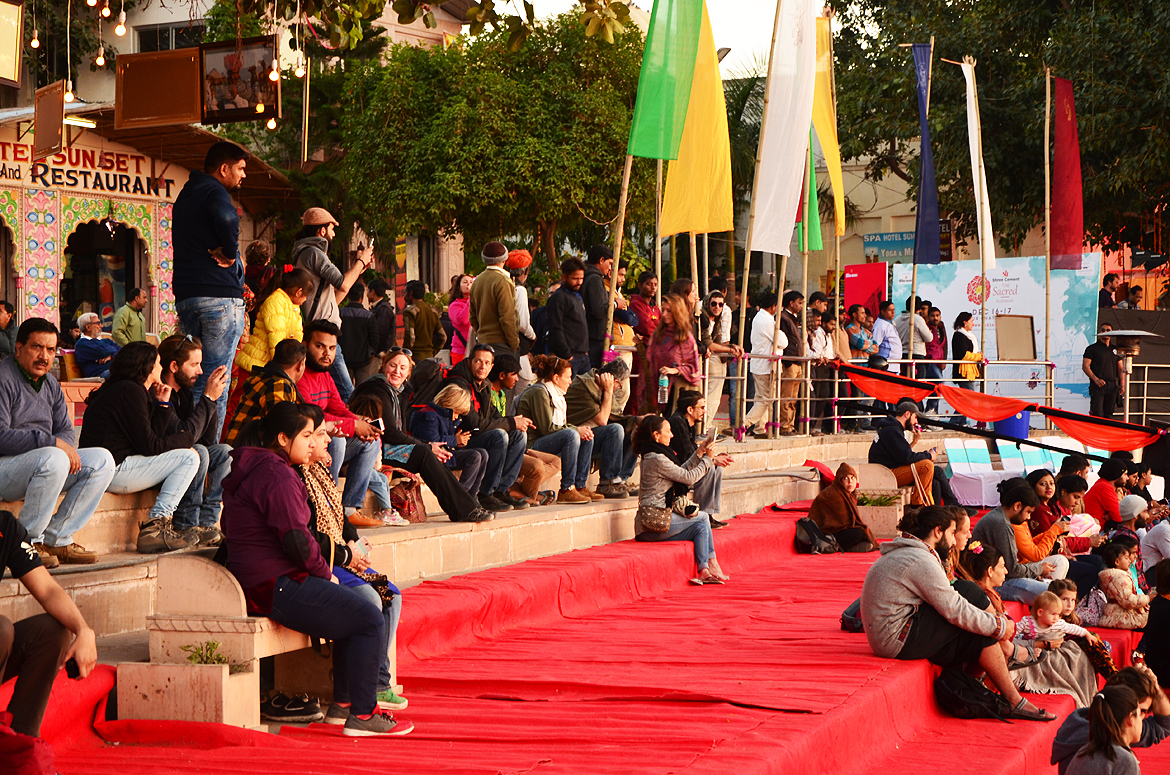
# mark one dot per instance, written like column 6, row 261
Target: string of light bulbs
column 69, row 50
column 36, row 41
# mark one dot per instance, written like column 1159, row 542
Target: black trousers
column 453, row 498
column 31, row 651
column 1103, row 400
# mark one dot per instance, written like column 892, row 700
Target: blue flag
column 926, row 231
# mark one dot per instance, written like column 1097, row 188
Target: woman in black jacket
column 128, row 415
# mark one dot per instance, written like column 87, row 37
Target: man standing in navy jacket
column 208, row 273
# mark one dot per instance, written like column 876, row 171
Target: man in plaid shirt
column 269, row 384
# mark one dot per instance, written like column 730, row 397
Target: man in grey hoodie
column 911, row 611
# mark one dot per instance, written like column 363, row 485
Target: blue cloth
column 926, row 229
column 434, row 423
column 205, row 218
column 89, row 351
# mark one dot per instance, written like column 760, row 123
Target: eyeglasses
column 402, row 350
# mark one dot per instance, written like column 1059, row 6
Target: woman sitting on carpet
column 664, row 483
column 1060, row 668
column 276, row 559
column 835, row 512
column 347, row 555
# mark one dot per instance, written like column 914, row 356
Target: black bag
column 851, row 617
column 810, row 540
column 964, row 696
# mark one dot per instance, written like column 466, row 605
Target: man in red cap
column 493, row 303
column 311, row 251
column 518, row 264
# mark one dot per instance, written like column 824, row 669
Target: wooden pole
column 811, row 181
column 1048, row 232
column 747, row 251
column 619, row 230
column 305, row 113
column 694, row 264
column 706, row 264
column 657, row 235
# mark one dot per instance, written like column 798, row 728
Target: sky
column 743, row 25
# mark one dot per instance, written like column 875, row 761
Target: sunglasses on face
column 716, row 305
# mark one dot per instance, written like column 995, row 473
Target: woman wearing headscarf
column 835, row 512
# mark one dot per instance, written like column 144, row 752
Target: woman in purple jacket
column 277, row 561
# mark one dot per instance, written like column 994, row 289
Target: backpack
column 964, row 696
column 539, row 322
column 810, row 539
column 1091, row 606
column 851, row 617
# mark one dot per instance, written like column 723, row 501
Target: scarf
column 559, row 407
column 970, row 337
column 650, row 446
column 835, row 509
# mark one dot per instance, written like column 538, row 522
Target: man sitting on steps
column 590, row 401
column 33, row 649
column 911, row 611
column 270, row 384
column 684, row 423
column 892, row 450
column 39, row 459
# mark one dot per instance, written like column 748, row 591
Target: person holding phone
column 439, row 421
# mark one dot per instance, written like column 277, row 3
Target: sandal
column 698, row 582
column 713, row 580
column 1033, row 714
column 1015, row 664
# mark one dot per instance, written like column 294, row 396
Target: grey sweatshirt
column 1124, row 763
column 1074, row 735
column 310, row 253
column 996, row 531
column 659, row 475
column 31, row 419
column 907, row 575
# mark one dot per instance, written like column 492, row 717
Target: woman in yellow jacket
column 279, row 317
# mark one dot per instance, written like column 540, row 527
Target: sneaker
column 392, row 517
column 48, row 560
column 477, row 515
column 507, row 497
column 337, row 715
column 612, row 490
column 631, row 489
column 74, row 554
column 211, row 535
column 573, row 495
column 377, row 724
column 157, row 536
column 388, row 700
column 492, row 503
column 593, row 496
column 360, row 519
column 291, row 709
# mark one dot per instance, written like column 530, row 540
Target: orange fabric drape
column 885, row 385
column 982, row 406
column 1102, row 434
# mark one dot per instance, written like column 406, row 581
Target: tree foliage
column 1108, row 50
column 487, row 142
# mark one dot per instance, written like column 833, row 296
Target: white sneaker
column 392, row 517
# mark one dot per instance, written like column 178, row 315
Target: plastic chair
column 978, row 456
column 956, row 457
column 1009, row 456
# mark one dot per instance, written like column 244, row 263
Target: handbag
column 653, row 518
column 684, row 506
column 964, row 696
column 810, row 539
column 851, row 617
column 406, row 496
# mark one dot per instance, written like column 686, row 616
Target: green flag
column 664, row 86
column 812, row 207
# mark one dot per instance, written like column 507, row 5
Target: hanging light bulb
column 35, row 42
column 120, row 30
column 100, row 59
column 274, row 73
column 300, row 71
column 105, row 9
column 259, row 107
column 91, row 3
column 69, row 90
column 271, row 123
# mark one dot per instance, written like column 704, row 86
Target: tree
column 487, row 142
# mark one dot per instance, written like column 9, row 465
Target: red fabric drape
column 1068, row 233
column 1102, row 434
column 886, row 385
column 982, row 406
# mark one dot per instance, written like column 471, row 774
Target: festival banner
column 1068, row 227
column 664, row 84
column 809, row 204
column 926, row 242
column 986, row 233
column 865, row 284
column 825, row 119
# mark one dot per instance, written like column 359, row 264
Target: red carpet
column 604, row 660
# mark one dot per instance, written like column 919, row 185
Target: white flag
column 784, row 141
column 978, row 174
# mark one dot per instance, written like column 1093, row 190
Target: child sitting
column 1046, row 624
column 1095, row 648
column 439, row 421
column 279, row 317
column 1126, row 609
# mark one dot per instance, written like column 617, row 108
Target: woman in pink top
column 459, row 311
column 673, row 351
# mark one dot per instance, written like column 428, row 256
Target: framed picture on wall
column 11, row 42
column 236, row 84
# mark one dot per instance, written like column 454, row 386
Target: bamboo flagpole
column 619, row 230
column 706, row 265
column 1048, row 232
column 694, row 266
column 657, row 236
column 747, row 253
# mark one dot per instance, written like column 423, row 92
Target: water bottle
column 663, row 389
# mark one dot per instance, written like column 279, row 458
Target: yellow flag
column 698, row 183
column 824, row 118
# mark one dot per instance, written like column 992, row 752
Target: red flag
column 1068, row 227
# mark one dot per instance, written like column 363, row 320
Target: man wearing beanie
column 311, row 252
column 493, row 303
column 595, row 294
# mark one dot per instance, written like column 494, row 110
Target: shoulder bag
column 654, row 519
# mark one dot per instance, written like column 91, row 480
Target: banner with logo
column 1016, row 287
column 865, row 284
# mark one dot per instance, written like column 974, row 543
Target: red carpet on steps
column 605, row 660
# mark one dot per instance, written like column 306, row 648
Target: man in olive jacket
column 493, row 303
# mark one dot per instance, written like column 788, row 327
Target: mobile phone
column 1066, row 518
column 72, row 670
column 379, row 423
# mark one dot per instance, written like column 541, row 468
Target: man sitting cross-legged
column 38, row 456
column 182, row 364
column 684, row 424
column 268, row 385
column 911, row 611
column 592, row 401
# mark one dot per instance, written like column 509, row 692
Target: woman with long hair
column 674, row 353
column 664, row 485
column 1115, row 724
column 459, row 312
column 543, row 402
column 131, row 416
column 644, row 305
column 276, row 558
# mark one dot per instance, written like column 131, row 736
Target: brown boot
column 74, row 554
column 48, row 560
column 573, row 495
column 595, row 496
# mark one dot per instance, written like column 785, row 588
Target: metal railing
column 1136, row 395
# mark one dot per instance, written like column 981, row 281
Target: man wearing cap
column 892, row 450
column 518, row 264
column 208, row 279
column 595, row 295
column 493, row 302
column 311, row 252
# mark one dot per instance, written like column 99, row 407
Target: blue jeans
column 362, row 456
column 505, row 456
column 607, row 448
column 932, row 373
column 322, row 609
column 696, row 529
column 1026, row 590
column 199, row 506
column 709, row 491
column 219, row 323
column 580, row 364
column 471, row 464
column 40, row 475
column 380, row 486
column 575, row 455
column 174, row 470
column 341, row 376
column 391, row 612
